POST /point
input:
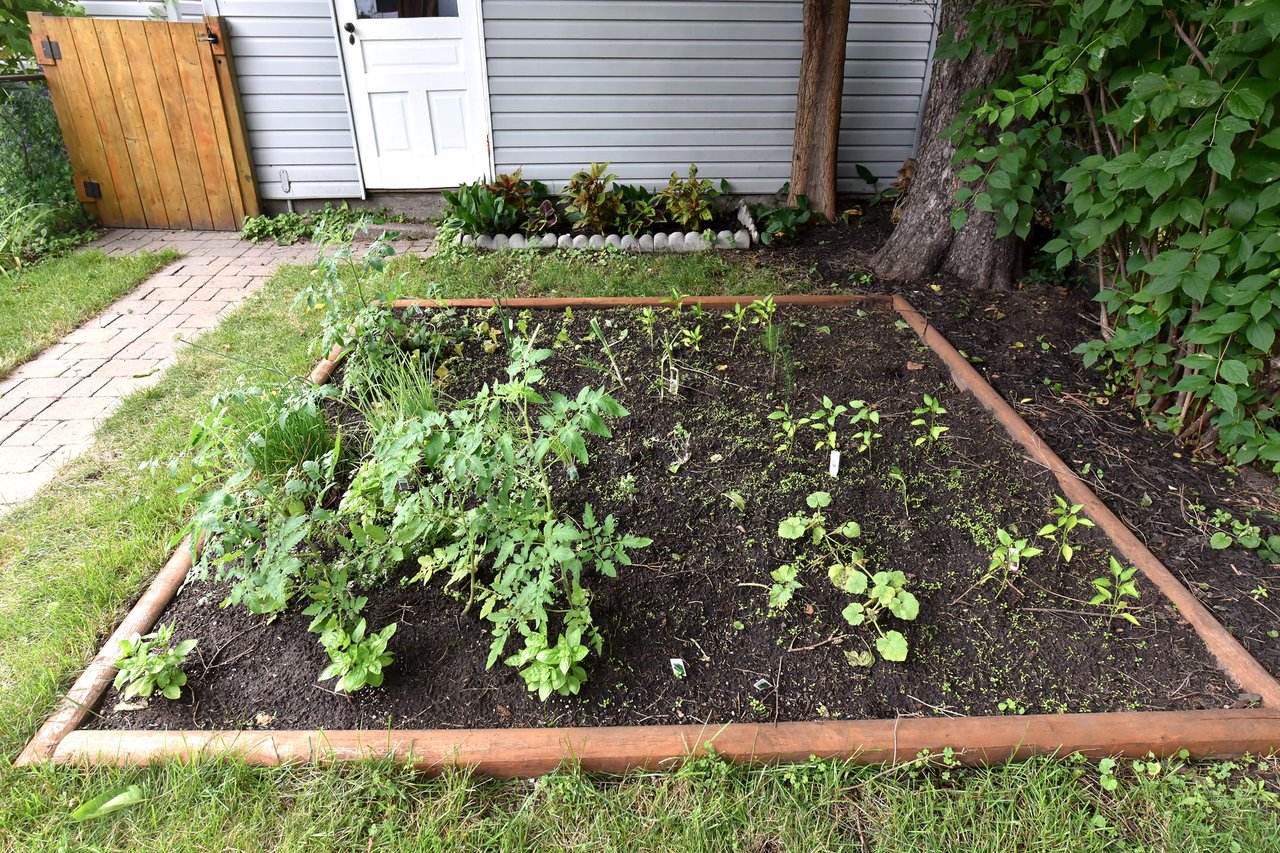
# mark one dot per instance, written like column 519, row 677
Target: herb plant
column 358, row 656
column 787, row 427
column 1114, row 592
column 927, row 417
column 152, row 663
column 825, row 419
column 1066, row 519
column 1007, row 558
column 868, row 418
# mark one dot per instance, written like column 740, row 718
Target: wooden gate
column 151, row 118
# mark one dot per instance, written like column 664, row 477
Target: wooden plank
column 62, row 109
column 137, row 52
column 76, row 91
column 233, row 110
column 102, row 94
column 205, row 49
column 187, row 159
column 520, row 753
column 132, row 124
column 186, row 51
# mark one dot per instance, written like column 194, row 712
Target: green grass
column 39, row 306
column 73, row 559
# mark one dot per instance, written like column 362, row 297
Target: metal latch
column 209, row 37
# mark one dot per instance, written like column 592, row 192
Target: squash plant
column 1148, row 135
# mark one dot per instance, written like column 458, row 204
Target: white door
column 416, row 77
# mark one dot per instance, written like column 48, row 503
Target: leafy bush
column 1148, row 135
column 476, row 209
column 425, row 487
column 782, row 220
column 687, row 201
column 39, row 211
column 592, row 200
column 642, row 210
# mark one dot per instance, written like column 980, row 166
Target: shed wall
column 656, row 85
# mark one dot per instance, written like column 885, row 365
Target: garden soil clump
column 699, row 473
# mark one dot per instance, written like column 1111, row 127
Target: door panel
column 417, row 91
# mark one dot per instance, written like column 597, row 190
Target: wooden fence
column 151, row 118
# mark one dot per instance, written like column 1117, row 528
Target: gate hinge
column 92, row 189
column 209, row 37
column 50, row 49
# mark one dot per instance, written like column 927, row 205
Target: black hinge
column 50, row 49
column 92, row 189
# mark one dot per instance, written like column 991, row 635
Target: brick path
column 50, row 406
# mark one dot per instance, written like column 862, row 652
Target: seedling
column 691, row 339
column 847, row 568
column 784, row 586
column 1066, row 519
column 737, row 318
column 1114, row 592
column 648, row 320
column 824, row 420
column 668, row 371
column 895, row 474
column 149, row 664
column 736, row 499
column 358, row 657
column 870, row 419
column 1011, row 706
column 787, row 427
column 608, row 350
column 762, row 311
column 927, row 417
column 1006, row 559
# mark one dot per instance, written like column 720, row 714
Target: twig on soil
column 833, row 638
column 940, row 710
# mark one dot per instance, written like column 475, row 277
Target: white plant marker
column 678, row 668
column 833, row 467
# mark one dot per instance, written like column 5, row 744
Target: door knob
column 351, row 30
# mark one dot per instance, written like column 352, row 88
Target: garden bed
column 711, row 490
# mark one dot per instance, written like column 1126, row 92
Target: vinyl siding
column 653, row 86
column 188, row 10
column 291, row 88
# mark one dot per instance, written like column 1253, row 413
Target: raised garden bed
column 694, row 468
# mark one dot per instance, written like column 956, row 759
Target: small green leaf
column 792, row 528
column 959, row 217
column 1220, row 541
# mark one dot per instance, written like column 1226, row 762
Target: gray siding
column 187, row 10
column 655, row 85
column 292, row 90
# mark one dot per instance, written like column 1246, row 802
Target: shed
column 346, row 99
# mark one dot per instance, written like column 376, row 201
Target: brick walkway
column 50, row 406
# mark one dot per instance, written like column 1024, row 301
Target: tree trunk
column 813, row 157
column 923, row 242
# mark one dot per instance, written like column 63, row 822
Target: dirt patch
column 668, row 473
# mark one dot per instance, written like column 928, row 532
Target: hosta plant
column 476, row 209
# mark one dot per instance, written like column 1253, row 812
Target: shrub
column 687, row 201
column 1148, row 135
column 592, row 200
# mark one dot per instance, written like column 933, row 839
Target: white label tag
column 833, row 467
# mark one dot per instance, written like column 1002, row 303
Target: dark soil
column 1022, row 342
column 1038, row 645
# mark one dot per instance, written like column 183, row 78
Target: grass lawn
column 39, row 306
column 74, row 557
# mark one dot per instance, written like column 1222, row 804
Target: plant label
column 833, row 467
column 678, row 668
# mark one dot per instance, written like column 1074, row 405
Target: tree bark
column 923, row 243
column 817, row 139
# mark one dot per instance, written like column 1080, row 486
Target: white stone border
column 675, row 241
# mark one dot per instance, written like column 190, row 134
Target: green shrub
column 1149, row 136
column 476, row 209
column 593, row 201
column 687, row 201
